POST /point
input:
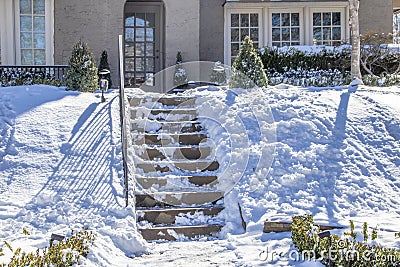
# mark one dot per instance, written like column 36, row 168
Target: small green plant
column 218, row 74
column 64, row 253
column 397, row 235
column 180, row 76
column 248, row 69
column 82, row 70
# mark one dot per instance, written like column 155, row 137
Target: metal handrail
column 56, row 71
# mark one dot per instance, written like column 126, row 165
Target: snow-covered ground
column 336, row 155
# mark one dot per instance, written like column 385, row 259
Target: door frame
column 135, row 6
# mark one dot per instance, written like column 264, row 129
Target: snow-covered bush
column 15, row 77
column 82, row 70
column 104, row 65
column 218, row 74
column 180, row 76
column 337, row 251
column 248, row 69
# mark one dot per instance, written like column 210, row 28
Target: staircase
column 176, row 182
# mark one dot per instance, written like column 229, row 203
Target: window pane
column 336, row 33
column 254, row 34
column 327, row 33
column 276, row 20
column 25, row 6
column 317, row 19
column 139, row 34
column 295, row 43
column 139, row 64
column 276, row 34
column 254, row 20
column 285, row 34
column 129, row 49
column 295, row 34
column 317, row 34
column 129, row 64
column 327, row 19
column 285, row 43
column 26, row 40
column 255, row 44
column 149, row 49
column 336, row 18
column 234, row 49
column 244, row 20
column 40, row 57
column 295, row 19
column 39, row 24
column 151, row 20
column 235, row 35
column 130, row 21
column 277, row 44
column 234, row 20
column 39, row 40
column 140, row 19
column 129, row 35
column 26, row 57
column 38, row 7
column 150, row 65
column 26, row 23
column 139, row 49
column 285, row 19
column 150, row 35
column 244, row 33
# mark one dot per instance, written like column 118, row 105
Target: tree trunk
column 355, row 39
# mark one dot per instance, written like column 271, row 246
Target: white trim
column 227, row 27
column 49, row 22
column 285, row 10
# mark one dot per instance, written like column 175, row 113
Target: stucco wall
column 96, row 22
column 211, row 30
column 376, row 16
column 182, row 30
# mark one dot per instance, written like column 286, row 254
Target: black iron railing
column 57, row 72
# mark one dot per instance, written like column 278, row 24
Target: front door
column 143, row 42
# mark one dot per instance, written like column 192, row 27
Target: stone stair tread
column 168, row 216
column 166, row 139
column 148, row 182
column 173, row 233
column 165, row 199
column 184, row 165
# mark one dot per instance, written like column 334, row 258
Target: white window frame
column 227, row 29
column 10, row 32
column 285, row 10
column 343, row 19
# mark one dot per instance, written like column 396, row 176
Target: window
column 32, row 35
column 285, row 29
column 242, row 25
column 327, row 28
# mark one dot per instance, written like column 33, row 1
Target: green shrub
column 248, row 69
column 180, row 76
column 62, row 254
column 82, row 70
column 339, row 251
column 15, row 77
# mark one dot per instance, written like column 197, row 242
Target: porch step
column 168, row 216
column 190, row 153
column 189, row 166
column 166, row 101
column 153, row 126
column 173, row 233
column 187, row 114
column 148, row 182
column 180, row 199
column 168, row 139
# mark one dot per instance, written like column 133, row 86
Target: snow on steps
column 176, row 196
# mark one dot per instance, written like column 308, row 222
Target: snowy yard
column 336, row 156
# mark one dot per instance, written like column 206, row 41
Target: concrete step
column 189, row 166
column 166, row 101
column 168, row 216
column 173, row 233
column 162, row 153
column 168, row 139
column 177, row 114
column 148, row 182
column 165, row 199
column 153, row 126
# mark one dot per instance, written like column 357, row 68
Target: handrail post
column 123, row 119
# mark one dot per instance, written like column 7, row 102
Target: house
column 42, row 32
